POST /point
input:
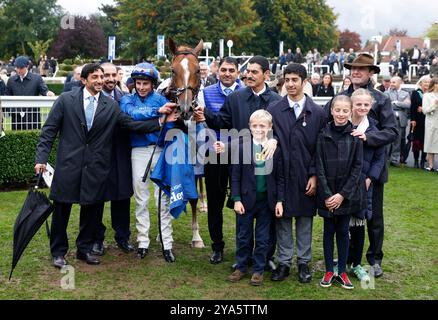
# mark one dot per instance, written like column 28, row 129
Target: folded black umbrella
column 35, row 211
column 408, row 146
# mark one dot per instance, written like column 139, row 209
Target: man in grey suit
column 85, row 120
column 401, row 103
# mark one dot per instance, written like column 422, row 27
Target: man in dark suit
column 25, row 83
column 2, row 87
column 206, row 80
column 239, row 106
column 86, row 120
column 75, row 81
column 216, row 174
column 119, row 187
column 297, row 123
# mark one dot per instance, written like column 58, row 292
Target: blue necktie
column 89, row 112
column 228, row 91
column 297, row 110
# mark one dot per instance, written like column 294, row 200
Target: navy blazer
column 243, row 177
column 297, row 143
column 32, row 85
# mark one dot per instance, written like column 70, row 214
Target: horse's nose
column 184, row 107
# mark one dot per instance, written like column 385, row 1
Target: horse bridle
column 176, row 92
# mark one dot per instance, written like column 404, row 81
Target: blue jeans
column 245, row 226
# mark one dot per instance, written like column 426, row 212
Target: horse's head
column 185, row 77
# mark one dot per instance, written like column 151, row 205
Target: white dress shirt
column 87, row 96
column 301, row 104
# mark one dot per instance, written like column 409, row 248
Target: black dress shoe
column 280, row 273
column 168, row 256
column 98, row 249
column 304, row 275
column 125, row 246
column 59, row 262
column 217, row 257
column 142, row 253
column 88, row 258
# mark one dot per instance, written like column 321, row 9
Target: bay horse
column 183, row 90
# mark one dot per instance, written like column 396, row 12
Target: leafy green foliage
column 432, row 32
column 299, row 23
column 39, row 48
column 255, row 26
column 17, row 156
column 57, row 88
column 27, row 21
column 140, row 22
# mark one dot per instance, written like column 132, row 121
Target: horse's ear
column 172, row 46
column 199, row 48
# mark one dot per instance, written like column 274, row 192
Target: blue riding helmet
column 145, row 71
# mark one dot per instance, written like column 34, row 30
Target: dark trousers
column 87, row 225
column 120, row 221
column 403, row 156
column 338, row 225
column 417, row 156
column 216, row 182
column 245, row 237
column 376, row 227
column 357, row 242
column 332, row 67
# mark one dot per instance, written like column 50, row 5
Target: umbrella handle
column 40, row 175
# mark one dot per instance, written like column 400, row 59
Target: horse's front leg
column 197, row 241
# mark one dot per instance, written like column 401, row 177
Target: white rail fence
column 30, row 113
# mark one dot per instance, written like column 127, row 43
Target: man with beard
column 119, row 183
column 217, row 174
column 239, row 106
column 85, row 120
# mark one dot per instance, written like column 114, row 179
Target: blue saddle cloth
column 174, row 174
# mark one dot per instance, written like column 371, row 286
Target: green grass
column 410, row 263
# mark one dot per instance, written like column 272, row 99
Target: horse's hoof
column 198, row 244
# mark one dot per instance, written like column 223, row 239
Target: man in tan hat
column 362, row 70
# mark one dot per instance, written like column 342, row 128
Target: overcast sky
column 370, row 17
column 367, row 18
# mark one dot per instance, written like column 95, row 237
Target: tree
column 27, row 21
column 186, row 21
column 306, row 24
column 432, row 32
column 86, row 40
column 350, row 39
column 39, row 48
column 108, row 22
column 395, row 32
